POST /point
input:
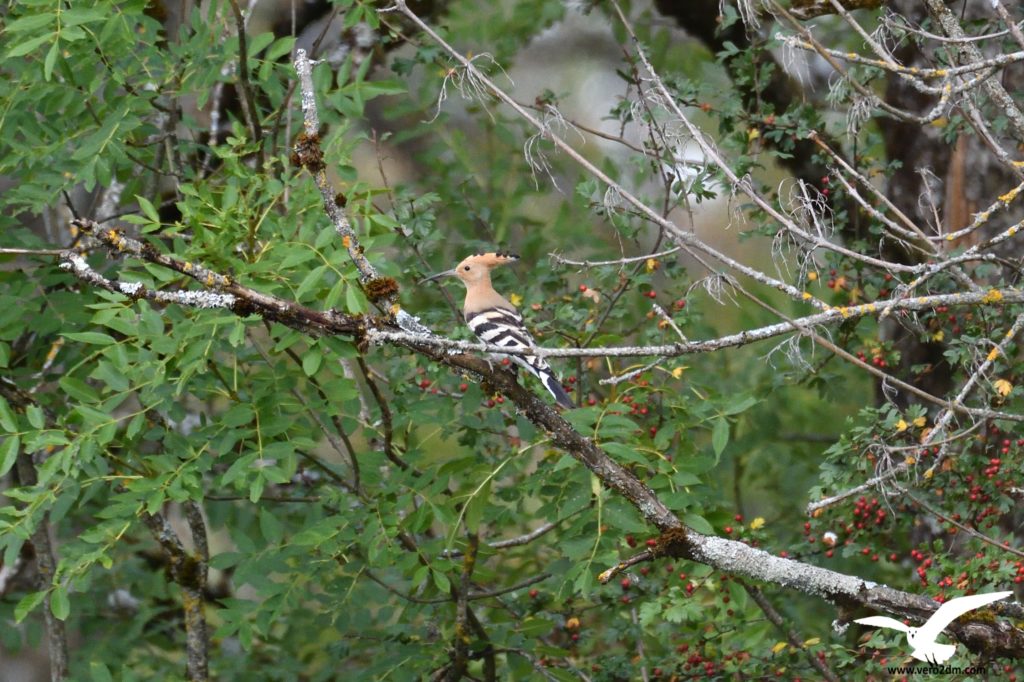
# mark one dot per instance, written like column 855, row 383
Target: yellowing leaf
column 757, row 523
column 779, row 647
column 812, row 641
column 901, row 425
column 920, row 421
column 515, row 299
column 753, row 134
column 1003, row 387
column 652, row 264
column 678, row 372
column 993, row 296
column 939, row 335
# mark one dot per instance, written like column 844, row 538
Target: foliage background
column 334, row 485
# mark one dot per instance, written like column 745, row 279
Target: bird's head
column 477, row 267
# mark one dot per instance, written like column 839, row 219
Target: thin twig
column 252, row 113
column 794, row 641
column 559, row 260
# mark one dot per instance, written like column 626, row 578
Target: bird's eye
column 466, row 268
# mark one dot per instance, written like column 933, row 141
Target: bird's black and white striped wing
column 504, row 327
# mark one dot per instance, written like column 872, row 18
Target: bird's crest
column 492, row 258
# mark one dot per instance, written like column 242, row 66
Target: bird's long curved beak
column 446, row 273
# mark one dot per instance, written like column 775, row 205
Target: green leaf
column 27, row 604
column 148, row 209
column 239, row 415
column 93, row 338
column 740, row 404
column 280, row 48
column 7, row 420
column 534, row 626
column 353, row 301
column 698, row 523
column 271, row 528
column 99, row 672
column 78, row 389
column 296, row 255
column 256, row 488
column 28, row 46
column 60, row 606
column 624, row 454
column 76, row 16
column 311, row 361
column 312, row 280
column 720, row 436
column 9, row 453
column 441, row 581
column 35, row 416
column 32, row 21
column 50, row 60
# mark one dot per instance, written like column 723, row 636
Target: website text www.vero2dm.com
column 936, row 670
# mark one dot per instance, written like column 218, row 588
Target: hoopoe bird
column 495, row 321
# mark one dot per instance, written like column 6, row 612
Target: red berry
column 583, row 287
column 463, row 387
column 534, row 593
column 625, row 583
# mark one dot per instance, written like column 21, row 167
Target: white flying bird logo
column 922, row 639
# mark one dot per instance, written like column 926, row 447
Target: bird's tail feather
column 554, row 387
column 540, row 369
